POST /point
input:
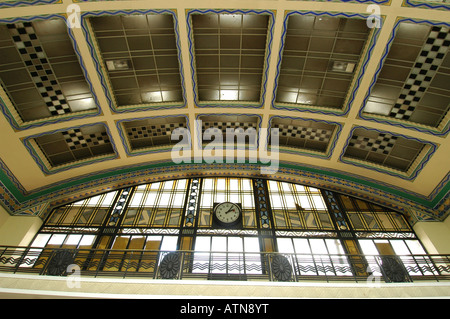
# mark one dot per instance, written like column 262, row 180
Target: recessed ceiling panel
column 140, row 57
column 384, row 149
column 74, row 145
column 152, row 133
column 319, row 59
column 413, row 84
column 222, row 128
column 40, row 72
column 230, row 52
column 303, row 134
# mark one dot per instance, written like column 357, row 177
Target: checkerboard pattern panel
column 30, row 49
column 240, row 127
column 382, row 144
column 153, row 130
column 75, row 139
column 426, row 64
column 309, row 133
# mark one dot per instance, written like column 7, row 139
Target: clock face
column 227, row 212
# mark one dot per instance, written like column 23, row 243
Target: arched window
column 311, row 232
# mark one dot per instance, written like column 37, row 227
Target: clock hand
column 229, row 210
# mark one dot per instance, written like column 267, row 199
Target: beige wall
column 32, row 286
column 435, row 236
column 17, row 230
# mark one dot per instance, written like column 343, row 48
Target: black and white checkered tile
column 152, row 130
column 239, row 127
column 75, row 139
column 421, row 75
column 309, row 133
column 382, row 144
column 30, row 49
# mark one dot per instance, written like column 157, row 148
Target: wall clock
column 227, row 215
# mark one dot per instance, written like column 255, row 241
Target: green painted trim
column 17, row 193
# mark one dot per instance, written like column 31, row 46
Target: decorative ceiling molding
column 316, row 137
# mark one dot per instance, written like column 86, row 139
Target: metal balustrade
column 206, row 265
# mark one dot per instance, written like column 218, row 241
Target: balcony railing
column 249, row 266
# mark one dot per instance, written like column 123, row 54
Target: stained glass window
column 142, row 224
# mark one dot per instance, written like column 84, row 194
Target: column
column 17, row 230
column 435, row 236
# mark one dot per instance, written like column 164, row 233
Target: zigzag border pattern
column 402, row 124
column 412, row 176
column 364, row 62
column 267, row 58
column 12, row 4
column 73, row 116
column 149, row 151
column 333, row 142
column 43, row 167
column 423, row 4
column 96, row 60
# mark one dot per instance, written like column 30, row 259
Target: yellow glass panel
column 149, row 258
column 131, row 263
column 97, row 256
column 70, row 215
column 356, row 258
column 115, row 258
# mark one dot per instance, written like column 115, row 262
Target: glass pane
column 56, row 215
column 169, row 243
column 87, row 241
column 289, row 201
column 321, row 257
column 251, row 244
column 101, row 213
column 252, row 261
column 325, row 220
column 220, row 184
column 310, row 220
column 385, row 221
column 129, row 218
column 151, row 199
column 72, row 240
column 285, row 245
column 136, row 242
column 235, row 244
column 318, row 202
column 305, row 262
column 318, row 246
column 334, row 246
column 301, row 246
column 415, row 247
column 93, row 201
column 304, row 202
column 40, row 240
column 368, row 247
column 400, row 221
column 85, row 216
column 356, row 221
column 371, row 221
column 201, row 260
column 219, row 244
column 153, row 242
column 109, row 199
column 73, row 211
column 275, row 200
column 56, row 240
column 339, row 261
column 136, row 200
column 203, row 243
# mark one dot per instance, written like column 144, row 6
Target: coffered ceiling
column 93, row 90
